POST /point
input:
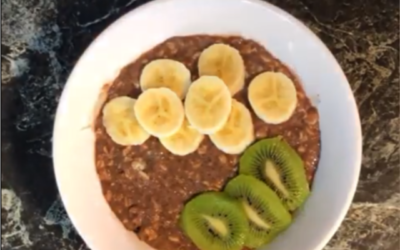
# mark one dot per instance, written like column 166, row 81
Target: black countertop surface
column 42, row 40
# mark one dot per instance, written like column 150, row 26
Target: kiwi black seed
column 266, row 214
column 276, row 163
column 214, row 221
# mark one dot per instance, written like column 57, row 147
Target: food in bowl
column 227, row 167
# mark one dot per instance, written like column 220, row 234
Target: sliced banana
column 225, row 62
column 166, row 73
column 159, row 111
column 238, row 131
column 208, row 104
column 120, row 122
column 272, row 95
column 183, row 142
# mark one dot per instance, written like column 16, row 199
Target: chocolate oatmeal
column 146, row 186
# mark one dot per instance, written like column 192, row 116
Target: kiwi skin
column 222, row 207
column 267, row 205
column 287, row 162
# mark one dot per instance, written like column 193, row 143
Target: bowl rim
column 356, row 169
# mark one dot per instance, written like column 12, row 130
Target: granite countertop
column 42, row 40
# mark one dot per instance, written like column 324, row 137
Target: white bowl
column 148, row 25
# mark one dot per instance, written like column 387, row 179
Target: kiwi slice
column 266, row 214
column 214, row 221
column 273, row 161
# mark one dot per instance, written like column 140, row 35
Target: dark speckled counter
column 42, row 40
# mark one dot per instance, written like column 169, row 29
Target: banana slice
column 238, row 131
column 183, row 142
column 208, row 104
column 166, row 73
column 120, row 122
column 225, row 62
column 159, row 111
column 272, row 95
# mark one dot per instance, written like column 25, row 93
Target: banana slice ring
column 120, row 122
column 238, row 131
column 273, row 97
column 183, row 142
column 208, row 104
column 166, row 73
column 225, row 62
column 159, row 111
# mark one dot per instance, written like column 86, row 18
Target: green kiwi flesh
column 276, row 163
column 266, row 214
column 214, row 221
